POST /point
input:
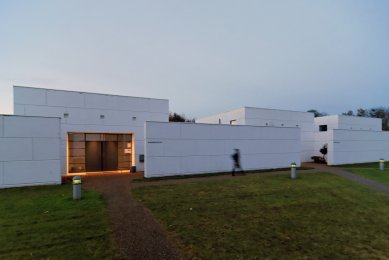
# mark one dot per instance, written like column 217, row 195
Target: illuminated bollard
column 293, row 171
column 76, row 187
column 382, row 164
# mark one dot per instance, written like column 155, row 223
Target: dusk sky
column 204, row 56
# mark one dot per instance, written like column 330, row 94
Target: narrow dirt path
column 136, row 233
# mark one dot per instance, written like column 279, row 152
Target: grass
column 314, row 216
column 373, row 174
column 374, row 165
column 45, row 222
column 200, row 175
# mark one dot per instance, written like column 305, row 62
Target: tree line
column 175, row 117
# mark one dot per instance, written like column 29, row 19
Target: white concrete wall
column 332, row 122
column 351, row 146
column 272, row 117
column 349, row 123
column 84, row 110
column 360, row 123
column 29, row 151
column 185, row 148
column 285, row 118
column 235, row 117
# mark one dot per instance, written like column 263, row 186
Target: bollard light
column 293, row 171
column 76, row 187
column 382, row 164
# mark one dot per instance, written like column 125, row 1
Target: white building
column 56, row 133
column 271, row 118
column 98, row 132
column 351, row 139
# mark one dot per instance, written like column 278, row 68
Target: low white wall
column 29, row 151
column 271, row 117
column 357, row 146
column 184, row 148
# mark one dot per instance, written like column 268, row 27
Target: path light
column 293, row 171
column 382, row 164
column 76, row 187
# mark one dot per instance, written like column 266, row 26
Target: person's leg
column 233, row 171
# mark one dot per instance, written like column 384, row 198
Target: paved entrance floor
column 138, row 235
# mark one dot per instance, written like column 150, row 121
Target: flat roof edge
column 191, row 123
column 276, row 109
column 84, row 92
column 8, row 115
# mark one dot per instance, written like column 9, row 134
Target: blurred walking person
column 236, row 160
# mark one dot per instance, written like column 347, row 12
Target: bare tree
column 175, row 117
column 317, row 113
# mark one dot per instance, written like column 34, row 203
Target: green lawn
column 314, row 216
column 373, row 174
column 44, row 222
column 374, row 165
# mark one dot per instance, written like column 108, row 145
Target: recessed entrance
column 97, row 152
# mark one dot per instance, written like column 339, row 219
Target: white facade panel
column 137, row 104
column 194, row 149
column 360, row 123
column 101, row 101
column 19, row 110
column 165, row 131
column 24, row 173
column 43, row 111
column 1, row 126
column 18, row 126
column 27, row 157
column 93, row 113
column 46, row 148
column 158, row 105
column 15, row 149
column 65, row 99
column 195, row 131
column 29, row 96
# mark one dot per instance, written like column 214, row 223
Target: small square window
column 323, row 128
column 65, row 115
column 134, row 118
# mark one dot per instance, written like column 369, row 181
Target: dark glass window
column 322, row 128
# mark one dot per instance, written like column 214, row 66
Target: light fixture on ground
column 382, row 164
column 293, row 170
column 76, row 187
